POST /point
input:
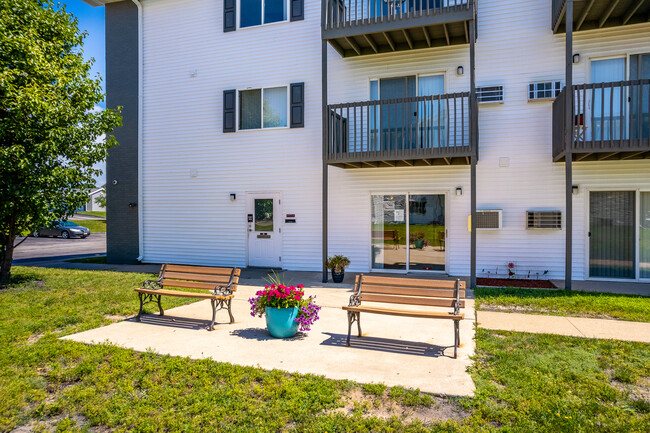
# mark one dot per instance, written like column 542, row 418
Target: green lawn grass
column 96, row 213
column 564, row 303
column 95, row 226
column 525, row 382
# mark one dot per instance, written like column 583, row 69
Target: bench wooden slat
column 409, row 300
column 195, row 284
column 400, row 290
column 197, row 277
column 164, row 292
column 409, row 282
column 200, row 270
column 406, row 313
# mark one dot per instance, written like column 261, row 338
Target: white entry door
column 264, row 231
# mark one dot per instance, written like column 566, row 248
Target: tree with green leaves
column 51, row 132
column 101, row 200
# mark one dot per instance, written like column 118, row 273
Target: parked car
column 65, row 229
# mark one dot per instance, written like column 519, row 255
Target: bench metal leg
column 232, row 318
column 214, row 314
column 456, row 336
column 353, row 316
column 160, row 308
column 141, row 297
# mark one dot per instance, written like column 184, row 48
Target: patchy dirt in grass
column 384, row 407
column 34, row 338
column 60, row 423
column 117, row 317
column 638, row 391
column 515, row 282
column 539, row 310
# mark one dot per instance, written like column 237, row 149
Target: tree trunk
column 6, row 257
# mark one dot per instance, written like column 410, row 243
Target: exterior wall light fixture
column 575, row 189
column 460, row 70
column 459, row 191
column 233, row 196
column 576, row 58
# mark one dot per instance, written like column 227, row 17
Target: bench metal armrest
column 227, row 289
column 152, row 284
column 355, row 300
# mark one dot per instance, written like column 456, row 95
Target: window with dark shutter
column 297, row 105
column 229, row 110
column 297, row 10
column 229, row 15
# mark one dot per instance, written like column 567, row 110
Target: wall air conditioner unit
column 544, row 220
column 488, row 219
column 489, row 94
column 544, row 91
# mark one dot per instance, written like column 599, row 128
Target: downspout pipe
column 138, row 4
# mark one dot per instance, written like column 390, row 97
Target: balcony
column 596, row 14
column 414, row 131
column 610, row 121
column 361, row 27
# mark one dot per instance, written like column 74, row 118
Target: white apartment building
column 273, row 133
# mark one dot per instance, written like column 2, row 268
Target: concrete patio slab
column 409, row 352
column 561, row 325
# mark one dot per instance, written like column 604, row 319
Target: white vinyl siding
column 192, row 219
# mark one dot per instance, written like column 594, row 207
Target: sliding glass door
column 408, row 232
column 618, row 234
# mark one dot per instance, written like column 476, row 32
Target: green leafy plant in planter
column 337, row 265
column 418, row 240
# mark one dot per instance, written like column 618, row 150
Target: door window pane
column 275, row 10
column 607, row 102
column 263, row 214
column 250, row 109
column 251, row 13
column 388, row 240
column 612, row 246
column 644, row 236
column 427, row 232
column 275, row 107
column 431, row 114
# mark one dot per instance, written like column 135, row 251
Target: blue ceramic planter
column 280, row 321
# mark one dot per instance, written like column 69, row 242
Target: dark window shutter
column 297, row 10
column 229, row 15
column 229, row 110
column 298, row 105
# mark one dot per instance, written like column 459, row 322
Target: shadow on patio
column 386, row 345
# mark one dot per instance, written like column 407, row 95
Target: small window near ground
column 257, row 12
column 263, row 108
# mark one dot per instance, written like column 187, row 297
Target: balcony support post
column 325, row 166
column 474, row 144
column 568, row 146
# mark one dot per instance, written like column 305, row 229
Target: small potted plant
column 337, row 265
column 418, row 240
column 286, row 309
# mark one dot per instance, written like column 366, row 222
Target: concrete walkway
column 562, row 325
column 410, row 352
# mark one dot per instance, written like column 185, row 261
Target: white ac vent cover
column 489, row 94
column 544, row 220
column 544, row 90
column 488, row 219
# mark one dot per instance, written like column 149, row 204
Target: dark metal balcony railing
column 608, row 118
column 342, row 13
column 405, row 129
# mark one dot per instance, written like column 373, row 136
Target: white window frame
column 286, row 86
column 239, row 10
column 417, row 81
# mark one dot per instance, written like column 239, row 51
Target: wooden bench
column 369, row 290
column 221, row 284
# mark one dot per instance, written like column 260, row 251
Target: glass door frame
column 637, row 232
column 408, row 195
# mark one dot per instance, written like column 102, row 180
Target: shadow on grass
column 388, row 345
column 487, row 292
column 260, row 334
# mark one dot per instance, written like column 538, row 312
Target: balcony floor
column 609, row 151
column 596, row 14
